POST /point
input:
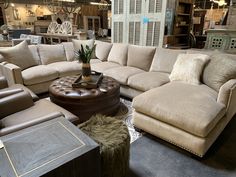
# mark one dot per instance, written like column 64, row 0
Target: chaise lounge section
column 187, row 115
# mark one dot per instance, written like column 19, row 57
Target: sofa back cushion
column 102, row 50
column 164, row 59
column 220, row 69
column 34, row 51
column 77, row 44
column 51, row 53
column 69, row 50
column 19, row 55
column 140, row 56
column 118, row 53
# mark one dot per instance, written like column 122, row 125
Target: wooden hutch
column 181, row 26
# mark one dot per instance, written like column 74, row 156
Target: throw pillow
column 220, row 69
column 188, row 68
column 19, row 55
column 77, row 45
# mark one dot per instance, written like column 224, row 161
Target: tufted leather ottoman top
column 105, row 99
column 63, row 88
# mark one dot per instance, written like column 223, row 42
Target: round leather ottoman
column 84, row 103
column 113, row 137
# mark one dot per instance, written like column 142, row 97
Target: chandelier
column 53, row 6
column 70, row 7
column 66, row 6
column 102, row 5
column 5, row 3
column 220, row 2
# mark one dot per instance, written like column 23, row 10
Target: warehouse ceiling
column 42, row 1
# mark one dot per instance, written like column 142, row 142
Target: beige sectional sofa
column 188, row 115
column 47, row 63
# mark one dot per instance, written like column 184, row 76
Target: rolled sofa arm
column 15, row 103
column 7, row 130
column 227, row 96
column 8, row 92
column 3, row 83
column 12, row 73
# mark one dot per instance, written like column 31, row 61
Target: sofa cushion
column 148, row 80
column 77, row 45
column 19, row 55
column 69, row 51
column 34, row 51
column 140, row 56
column 66, row 68
column 220, row 69
column 38, row 74
column 95, row 60
column 101, row 67
column 164, row 59
column 102, row 50
column 122, row 73
column 202, row 51
column 51, row 53
column 118, row 53
column 192, row 108
column 188, row 68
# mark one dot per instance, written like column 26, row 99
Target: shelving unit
column 181, row 26
column 92, row 23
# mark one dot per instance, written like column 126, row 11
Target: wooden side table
column 5, row 43
column 54, row 148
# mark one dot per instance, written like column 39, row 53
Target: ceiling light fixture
column 102, row 5
column 220, row 2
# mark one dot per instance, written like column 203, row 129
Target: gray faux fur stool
column 113, row 137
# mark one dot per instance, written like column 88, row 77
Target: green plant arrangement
column 84, row 55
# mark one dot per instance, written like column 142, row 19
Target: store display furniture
column 47, row 66
column 19, row 110
column 52, row 148
column 180, row 38
column 105, row 99
column 143, row 73
column 221, row 39
column 114, row 143
column 173, row 111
